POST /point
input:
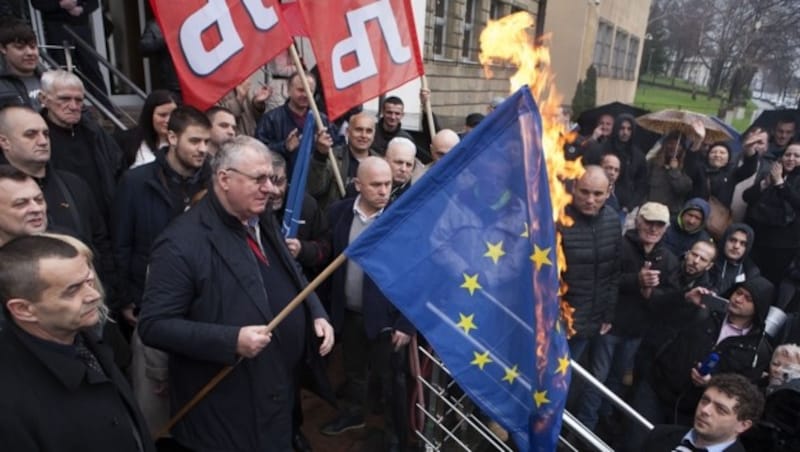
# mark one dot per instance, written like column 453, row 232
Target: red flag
column 294, row 19
column 216, row 44
column 364, row 48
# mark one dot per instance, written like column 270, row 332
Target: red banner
column 216, row 44
column 364, row 48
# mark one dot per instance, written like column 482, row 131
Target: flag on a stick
column 297, row 184
column 468, row 255
column 364, row 48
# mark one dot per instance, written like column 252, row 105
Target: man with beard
column 390, row 124
column 148, row 198
column 733, row 264
column 63, row 391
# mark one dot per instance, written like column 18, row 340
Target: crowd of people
column 135, row 266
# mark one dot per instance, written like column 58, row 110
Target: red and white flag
column 216, row 44
column 363, row 48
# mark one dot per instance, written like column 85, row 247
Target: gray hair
column 230, row 152
column 62, row 78
column 402, row 142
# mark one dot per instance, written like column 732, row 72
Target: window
column 602, row 48
column 630, row 61
column 620, row 51
column 439, row 27
column 495, row 10
column 469, row 22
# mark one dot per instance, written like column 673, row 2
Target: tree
column 585, row 93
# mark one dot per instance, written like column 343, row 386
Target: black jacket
column 632, row 317
column 143, row 207
column 773, row 212
column 666, row 437
column 726, row 273
column 747, row 355
column 52, row 12
column 379, row 313
column 593, row 250
column 204, row 284
column 720, row 182
column 50, row 403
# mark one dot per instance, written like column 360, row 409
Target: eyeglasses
column 259, row 180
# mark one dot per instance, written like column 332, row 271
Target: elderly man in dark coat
column 60, row 390
column 218, row 274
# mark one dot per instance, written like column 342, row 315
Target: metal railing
column 451, row 422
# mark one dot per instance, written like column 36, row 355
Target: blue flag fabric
column 468, row 255
column 297, row 184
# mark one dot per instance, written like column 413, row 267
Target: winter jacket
column 773, row 212
column 726, row 273
column 721, row 182
column 633, row 316
column 747, row 355
column 668, row 186
column 678, row 239
column 593, row 250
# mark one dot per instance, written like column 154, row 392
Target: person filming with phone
column 729, row 339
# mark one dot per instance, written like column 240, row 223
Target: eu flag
column 297, row 184
column 468, row 254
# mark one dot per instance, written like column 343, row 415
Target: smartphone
column 714, row 303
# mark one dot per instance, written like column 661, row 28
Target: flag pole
column 317, row 117
column 214, row 381
column 428, row 112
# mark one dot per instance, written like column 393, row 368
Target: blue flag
column 297, row 184
column 468, row 255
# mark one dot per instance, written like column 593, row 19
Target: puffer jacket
column 593, row 250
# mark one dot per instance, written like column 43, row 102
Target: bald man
column 442, row 142
column 401, row 155
column 374, row 335
column 592, row 246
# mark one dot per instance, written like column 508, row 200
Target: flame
column 510, row 40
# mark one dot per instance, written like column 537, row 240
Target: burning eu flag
column 468, row 255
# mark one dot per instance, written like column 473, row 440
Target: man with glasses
column 218, row 275
column 79, row 144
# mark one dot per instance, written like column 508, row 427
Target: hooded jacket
column 726, row 273
column 747, row 355
column 631, row 186
column 678, row 239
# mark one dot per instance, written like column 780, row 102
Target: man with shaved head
column 374, row 335
column 401, row 155
column 443, row 141
column 321, row 182
column 592, row 247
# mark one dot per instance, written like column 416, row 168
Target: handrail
column 85, row 46
column 95, row 102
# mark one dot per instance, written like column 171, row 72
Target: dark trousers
column 364, row 357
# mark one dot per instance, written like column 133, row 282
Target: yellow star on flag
column 511, row 374
column 563, row 365
column 539, row 257
column 466, row 323
column 540, row 397
column 471, row 283
column 525, row 232
column 494, row 251
column 481, row 359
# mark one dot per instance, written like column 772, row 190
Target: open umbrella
column 666, row 121
column 587, row 120
column 769, row 118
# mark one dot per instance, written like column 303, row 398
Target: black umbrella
column 587, row 120
column 769, row 118
column 643, row 138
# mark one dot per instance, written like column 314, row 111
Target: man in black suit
column 729, row 407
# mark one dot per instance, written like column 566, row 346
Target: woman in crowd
column 140, row 144
column 772, row 206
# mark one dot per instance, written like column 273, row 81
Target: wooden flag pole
column 428, row 112
column 317, row 117
column 299, row 298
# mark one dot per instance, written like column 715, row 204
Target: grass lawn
column 655, row 98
